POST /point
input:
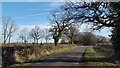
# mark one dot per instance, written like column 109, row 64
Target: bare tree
column 23, row 35
column 11, row 30
column 59, row 21
column 8, row 28
column 71, row 32
column 36, row 34
column 46, row 34
column 30, row 37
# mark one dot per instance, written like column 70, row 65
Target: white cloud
column 43, row 9
column 34, row 9
column 37, row 9
column 85, row 27
column 29, row 27
column 104, row 32
column 33, row 15
column 56, row 3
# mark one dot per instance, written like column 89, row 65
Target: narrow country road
column 67, row 59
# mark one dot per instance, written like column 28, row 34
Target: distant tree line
column 9, row 28
column 34, row 35
column 83, row 38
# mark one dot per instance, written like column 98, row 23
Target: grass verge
column 45, row 54
column 97, row 58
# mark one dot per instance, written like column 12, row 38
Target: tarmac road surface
column 71, row 58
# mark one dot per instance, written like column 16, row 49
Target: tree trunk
column 22, row 40
column 117, row 54
column 72, row 42
column 34, row 40
column 46, row 40
column 57, row 37
column 56, row 41
column 37, row 41
column 4, row 40
column 41, row 42
column 25, row 41
column 116, row 41
column 9, row 39
column 116, row 50
column 4, row 36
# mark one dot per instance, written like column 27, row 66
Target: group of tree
column 97, row 14
column 85, row 38
column 9, row 28
column 34, row 35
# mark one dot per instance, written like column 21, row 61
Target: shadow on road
column 66, row 57
column 98, row 60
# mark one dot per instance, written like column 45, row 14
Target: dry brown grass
column 37, row 52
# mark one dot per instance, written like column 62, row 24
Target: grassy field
column 96, row 57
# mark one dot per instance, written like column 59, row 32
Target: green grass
column 95, row 57
column 92, row 53
column 20, row 65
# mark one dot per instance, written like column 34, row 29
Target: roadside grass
column 42, row 55
column 96, row 58
column 20, row 65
